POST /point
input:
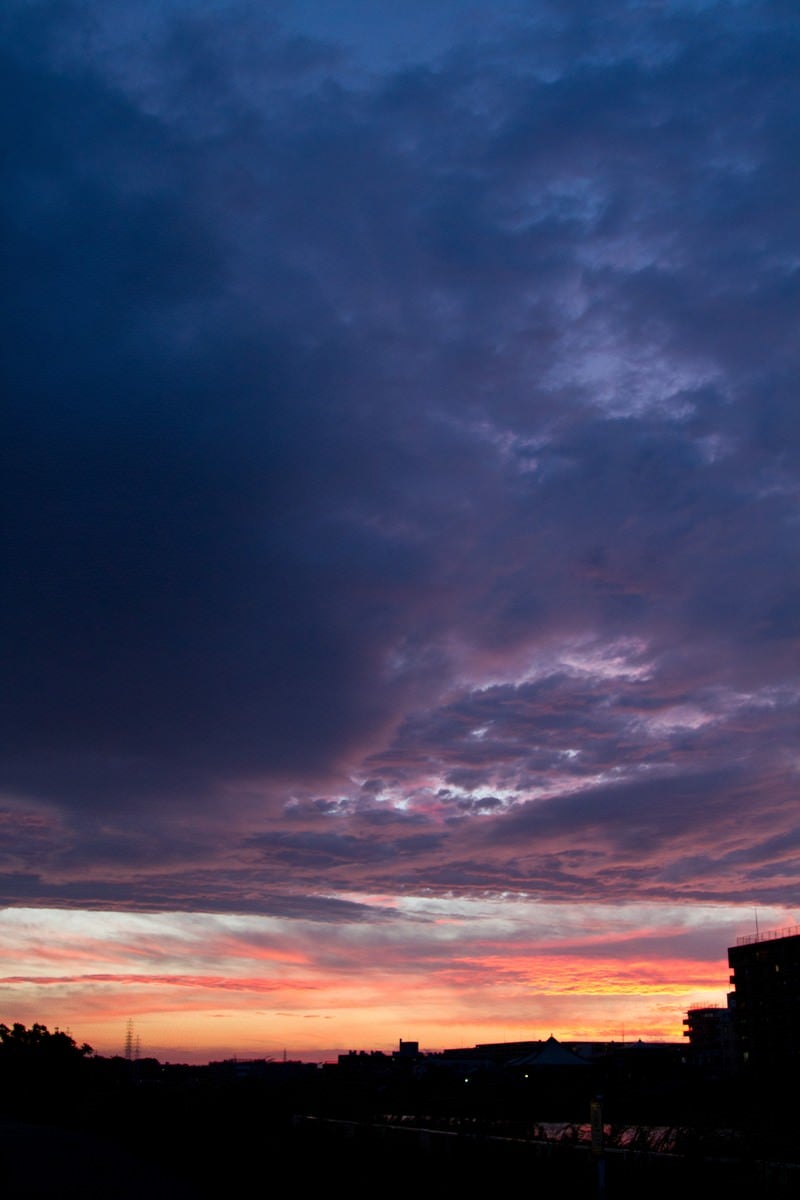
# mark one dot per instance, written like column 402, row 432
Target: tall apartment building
column 766, row 979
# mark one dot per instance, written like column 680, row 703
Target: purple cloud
column 402, row 456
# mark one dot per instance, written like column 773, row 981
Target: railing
column 750, row 938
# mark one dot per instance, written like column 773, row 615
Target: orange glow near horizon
column 200, row 987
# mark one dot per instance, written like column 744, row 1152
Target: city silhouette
column 596, row 1118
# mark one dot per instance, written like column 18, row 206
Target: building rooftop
column 750, row 938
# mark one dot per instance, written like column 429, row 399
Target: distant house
column 407, row 1050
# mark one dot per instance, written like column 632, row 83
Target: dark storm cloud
column 421, row 435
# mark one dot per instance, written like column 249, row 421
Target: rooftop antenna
column 755, row 910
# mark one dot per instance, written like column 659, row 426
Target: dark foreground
column 74, row 1125
column 40, row 1162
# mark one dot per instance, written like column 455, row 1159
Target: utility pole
column 598, row 1152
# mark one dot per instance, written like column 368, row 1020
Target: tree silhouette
column 39, row 1044
column 42, row 1072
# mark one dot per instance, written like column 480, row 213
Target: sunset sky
column 401, row 464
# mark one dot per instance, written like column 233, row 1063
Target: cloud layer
column 402, row 457
column 443, row 972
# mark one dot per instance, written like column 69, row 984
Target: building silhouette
column 710, row 1030
column 766, row 978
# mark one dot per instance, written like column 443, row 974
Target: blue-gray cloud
column 427, row 418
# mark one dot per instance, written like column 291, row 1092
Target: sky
column 401, row 461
